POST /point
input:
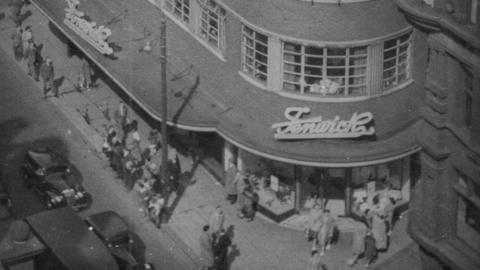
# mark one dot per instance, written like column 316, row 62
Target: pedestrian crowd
column 372, row 230
column 139, row 167
column 240, row 190
column 320, row 229
column 26, row 49
column 215, row 242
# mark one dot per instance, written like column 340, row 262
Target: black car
column 5, row 201
column 49, row 174
column 114, row 232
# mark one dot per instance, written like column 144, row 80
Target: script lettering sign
column 318, row 128
column 95, row 35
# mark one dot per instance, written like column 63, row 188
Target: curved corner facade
column 445, row 208
column 310, row 98
column 264, row 60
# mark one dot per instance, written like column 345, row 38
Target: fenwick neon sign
column 317, row 127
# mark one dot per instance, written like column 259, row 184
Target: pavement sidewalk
column 260, row 244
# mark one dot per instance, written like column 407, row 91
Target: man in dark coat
column 16, row 11
column 31, row 60
column 220, row 251
column 47, row 73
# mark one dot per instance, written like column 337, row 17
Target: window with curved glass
column 395, row 60
column 254, row 54
column 212, row 23
column 179, row 8
column 325, row 70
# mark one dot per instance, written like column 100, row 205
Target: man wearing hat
column 230, row 181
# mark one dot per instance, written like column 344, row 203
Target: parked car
column 5, row 201
column 114, row 232
column 49, row 174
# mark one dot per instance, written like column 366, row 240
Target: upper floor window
column 212, row 23
column 395, row 60
column 468, row 215
column 180, row 8
column 325, row 70
column 254, row 54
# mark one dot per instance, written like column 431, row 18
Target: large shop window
column 212, row 24
column 179, row 8
column 352, row 190
column 395, row 60
column 254, row 54
column 274, row 182
column 468, row 214
column 325, row 71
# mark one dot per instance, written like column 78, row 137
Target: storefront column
column 298, row 186
column 229, row 152
column 348, row 191
column 406, row 178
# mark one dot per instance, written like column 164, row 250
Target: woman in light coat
column 217, row 220
column 379, row 230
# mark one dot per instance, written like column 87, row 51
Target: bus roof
column 68, row 237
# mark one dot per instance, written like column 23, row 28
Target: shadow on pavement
column 186, row 180
column 24, row 16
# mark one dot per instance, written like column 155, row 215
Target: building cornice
column 435, row 22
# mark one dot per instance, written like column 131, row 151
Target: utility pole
column 163, row 66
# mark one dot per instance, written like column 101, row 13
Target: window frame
column 211, row 11
column 393, row 80
column 250, row 42
column 183, row 13
column 469, row 191
column 326, row 64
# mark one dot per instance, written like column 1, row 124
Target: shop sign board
column 318, row 127
column 89, row 31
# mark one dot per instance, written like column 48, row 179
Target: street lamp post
column 163, row 66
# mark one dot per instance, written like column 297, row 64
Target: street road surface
column 26, row 120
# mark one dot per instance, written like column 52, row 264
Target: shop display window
column 273, row 181
column 468, row 212
column 388, row 182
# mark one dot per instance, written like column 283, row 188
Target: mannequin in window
column 324, row 87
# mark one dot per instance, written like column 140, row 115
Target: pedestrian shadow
column 22, row 17
column 58, row 82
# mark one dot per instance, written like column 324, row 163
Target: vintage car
column 114, row 232
column 49, row 175
column 5, row 201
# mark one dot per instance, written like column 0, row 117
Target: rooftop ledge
column 425, row 16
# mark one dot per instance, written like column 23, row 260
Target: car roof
column 70, row 240
column 45, row 158
column 108, row 224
